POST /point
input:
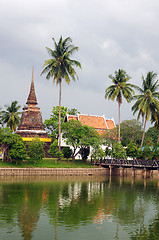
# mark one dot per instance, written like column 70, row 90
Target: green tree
column 67, row 152
column 11, row 142
column 36, row 149
column 120, row 88
column 51, row 125
column 153, row 133
column 147, row 101
column 79, row 136
column 118, row 152
column 61, row 66
column 54, row 151
column 146, row 153
column 11, row 115
column 73, row 111
column 109, row 137
column 132, row 150
column 17, row 150
column 97, row 153
column 131, row 130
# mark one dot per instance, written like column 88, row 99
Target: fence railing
column 129, row 163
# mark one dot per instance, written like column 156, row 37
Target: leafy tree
column 52, row 124
column 109, row 137
column 79, row 136
column 118, row 152
column 61, row 66
column 8, row 141
column 152, row 133
column 120, row 88
column 97, row 153
column 132, row 150
column 17, row 150
column 131, row 130
column 146, row 153
column 73, row 111
column 155, row 151
column 36, row 149
column 147, row 101
column 67, row 152
column 54, row 151
column 11, row 115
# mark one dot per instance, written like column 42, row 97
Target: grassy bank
column 47, row 163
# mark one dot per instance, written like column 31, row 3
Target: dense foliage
column 118, row 152
column 36, row 149
column 79, row 136
column 52, row 124
column 54, row 151
column 12, row 145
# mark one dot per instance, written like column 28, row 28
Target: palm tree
column 147, row 103
column 119, row 89
column 60, row 66
column 11, row 115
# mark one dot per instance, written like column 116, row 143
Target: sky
column 110, row 34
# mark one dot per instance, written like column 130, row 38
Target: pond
column 68, row 208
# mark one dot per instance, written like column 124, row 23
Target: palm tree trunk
column 119, row 121
column 60, row 116
column 143, row 136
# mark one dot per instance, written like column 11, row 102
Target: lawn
column 46, row 163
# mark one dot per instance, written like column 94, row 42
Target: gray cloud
column 110, row 35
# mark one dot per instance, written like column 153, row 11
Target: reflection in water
column 79, row 207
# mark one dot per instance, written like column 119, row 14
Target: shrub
column 54, row 151
column 36, row 149
column 97, row 153
column 67, row 152
column 118, row 151
column 132, row 150
column 18, row 151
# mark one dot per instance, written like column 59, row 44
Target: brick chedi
column 31, row 120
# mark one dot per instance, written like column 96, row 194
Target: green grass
column 46, row 163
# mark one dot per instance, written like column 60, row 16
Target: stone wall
column 53, row 171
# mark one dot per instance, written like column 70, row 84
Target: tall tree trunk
column 158, row 139
column 60, row 116
column 143, row 135
column 119, row 121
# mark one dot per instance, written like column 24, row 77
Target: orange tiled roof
column 110, row 123
column 98, row 122
column 70, row 117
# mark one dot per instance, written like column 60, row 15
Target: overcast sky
column 110, row 34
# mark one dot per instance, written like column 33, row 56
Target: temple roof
column 32, row 96
column 100, row 123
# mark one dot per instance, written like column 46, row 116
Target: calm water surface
column 69, row 208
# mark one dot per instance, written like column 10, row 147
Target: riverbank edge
column 52, row 171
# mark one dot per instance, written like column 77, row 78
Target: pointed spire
column 32, row 97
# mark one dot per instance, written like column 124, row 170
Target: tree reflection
column 79, row 203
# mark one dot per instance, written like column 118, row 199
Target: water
column 68, row 208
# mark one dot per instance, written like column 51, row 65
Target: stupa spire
column 32, row 96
